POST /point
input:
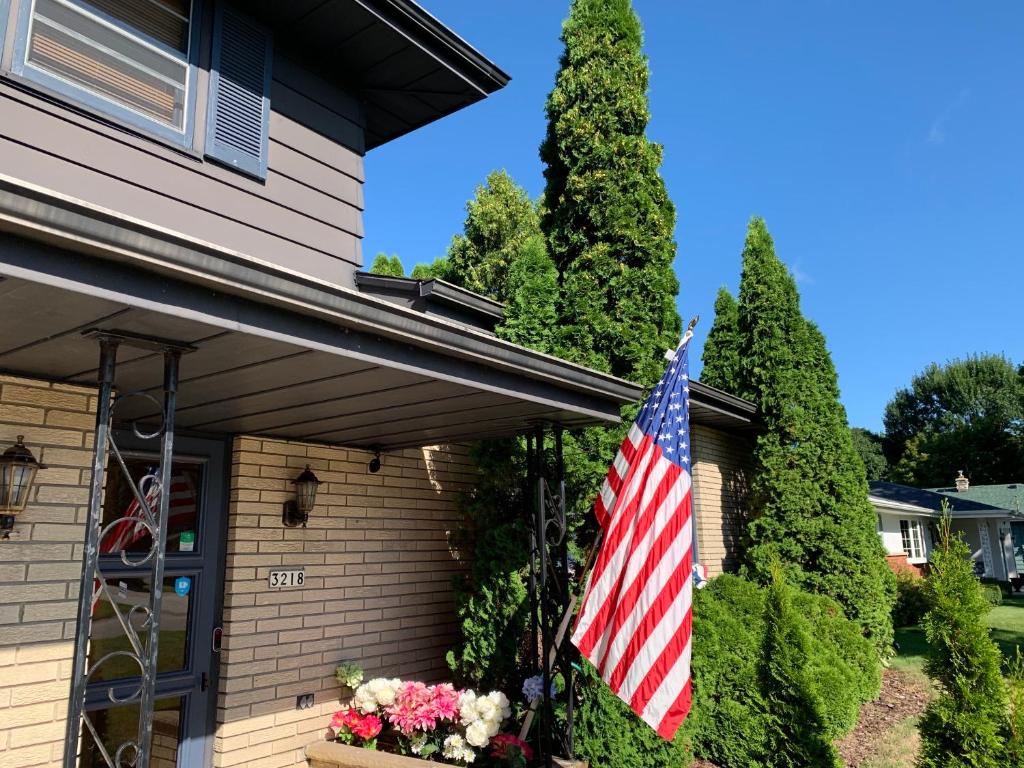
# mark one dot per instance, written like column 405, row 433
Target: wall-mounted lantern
column 296, row 512
column 18, row 469
column 374, row 464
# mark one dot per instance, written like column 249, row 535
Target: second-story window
column 129, row 58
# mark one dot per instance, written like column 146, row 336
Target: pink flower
column 338, row 719
column 419, row 707
column 368, row 727
column 503, row 743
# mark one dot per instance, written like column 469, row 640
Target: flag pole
column 595, row 547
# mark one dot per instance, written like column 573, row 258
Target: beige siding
column 378, row 573
column 40, row 567
column 721, row 471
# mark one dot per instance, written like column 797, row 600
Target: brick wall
column 378, row 572
column 721, row 471
column 40, row 567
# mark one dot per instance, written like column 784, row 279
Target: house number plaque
column 286, row 578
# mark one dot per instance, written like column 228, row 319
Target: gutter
column 42, row 214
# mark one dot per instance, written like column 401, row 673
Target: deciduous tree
column 965, row 415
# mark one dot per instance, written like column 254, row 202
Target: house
column 987, row 516
column 181, row 196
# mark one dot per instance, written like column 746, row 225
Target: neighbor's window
column 129, row 58
column 913, row 541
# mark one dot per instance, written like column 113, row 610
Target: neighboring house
column 181, row 196
column 988, row 517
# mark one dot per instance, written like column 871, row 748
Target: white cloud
column 937, row 132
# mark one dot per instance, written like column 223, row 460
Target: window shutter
column 238, row 111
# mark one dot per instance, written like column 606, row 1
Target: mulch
column 902, row 697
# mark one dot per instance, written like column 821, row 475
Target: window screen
column 133, row 53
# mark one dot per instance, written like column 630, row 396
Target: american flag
column 634, row 624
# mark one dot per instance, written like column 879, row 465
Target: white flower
column 379, row 692
column 486, row 709
column 478, row 734
column 417, row 742
column 455, row 748
column 467, row 707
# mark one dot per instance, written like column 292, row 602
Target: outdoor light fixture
column 17, row 474
column 374, row 465
column 296, row 512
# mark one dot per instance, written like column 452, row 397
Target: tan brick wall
column 40, row 567
column 378, row 572
column 721, row 471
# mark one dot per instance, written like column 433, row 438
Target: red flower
column 503, row 744
column 368, row 728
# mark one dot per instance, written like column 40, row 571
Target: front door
column 1017, row 535
column 187, row 666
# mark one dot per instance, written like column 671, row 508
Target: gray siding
column 306, row 216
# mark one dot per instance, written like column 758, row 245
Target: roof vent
column 962, row 483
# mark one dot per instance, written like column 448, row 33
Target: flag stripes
column 636, row 618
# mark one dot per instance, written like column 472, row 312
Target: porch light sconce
column 296, row 512
column 18, row 469
column 374, row 465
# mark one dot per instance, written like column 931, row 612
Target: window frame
column 911, row 534
column 103, row 106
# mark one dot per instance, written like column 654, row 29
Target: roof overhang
column 407, row 67
column 434, row 297
column 718, row 409
column 276, row 353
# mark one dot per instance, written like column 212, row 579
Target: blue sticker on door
column 182, row 585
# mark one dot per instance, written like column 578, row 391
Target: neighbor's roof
column 932, row 501
column 1008, row 496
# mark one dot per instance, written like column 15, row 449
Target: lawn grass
column 1006, row 622
column 897, row 748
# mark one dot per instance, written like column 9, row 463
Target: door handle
column 204, row 682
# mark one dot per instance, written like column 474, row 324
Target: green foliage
column 1015, row 736
column 809, row 495
column 608, row 218
column 797, row 736
column 967, row 414
column 609, row 735
column 387, row 265
column 993, row 593
column 967, row 724
column 731, row 716
column 428, row 271
column 911, row 601
column 869, row 447
column 500, row 219
column 491, row 599
column 721, row 350
column 532, row 285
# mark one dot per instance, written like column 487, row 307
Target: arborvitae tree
column 502, row 254
column 721, row 350
column 967, row 725
column 608, row 218
column 1015, row 737
column 808, row 493
column 797, row 735
column 387, row 265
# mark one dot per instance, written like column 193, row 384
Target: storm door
column 185, row 690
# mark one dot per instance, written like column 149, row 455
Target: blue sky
column 883, row 142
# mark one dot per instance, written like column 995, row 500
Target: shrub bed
column 729, row 724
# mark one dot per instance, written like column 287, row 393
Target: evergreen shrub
column 967, row 725
column 911, row 602
column 730, row 718
column 609, row 735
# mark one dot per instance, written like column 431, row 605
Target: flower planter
column 330, row 754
